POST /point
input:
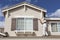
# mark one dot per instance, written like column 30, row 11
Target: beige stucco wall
column 23, row 12
column 49, row 27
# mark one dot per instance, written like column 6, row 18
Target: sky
column 52, row 7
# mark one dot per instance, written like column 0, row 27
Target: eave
column 52, row 19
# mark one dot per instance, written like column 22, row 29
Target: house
column 53, row 25
column 24, row 19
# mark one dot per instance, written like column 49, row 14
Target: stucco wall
column 22, row 12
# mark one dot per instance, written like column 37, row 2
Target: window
column 24, row 24
column 55, row 27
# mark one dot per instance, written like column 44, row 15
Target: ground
column 31, row 38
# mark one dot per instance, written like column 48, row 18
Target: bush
column 7, row 35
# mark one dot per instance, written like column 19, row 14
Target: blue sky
column 52, row 6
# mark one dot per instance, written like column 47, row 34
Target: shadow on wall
column 49, row 33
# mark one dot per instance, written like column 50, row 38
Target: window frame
column 57, row 27
column 24, row 26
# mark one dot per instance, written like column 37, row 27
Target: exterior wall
column 49, row 27
column 21, row 12
column 1, row 30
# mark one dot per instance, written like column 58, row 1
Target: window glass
column 58, row 26
column 55, row 27
column 28, row 24
column 20, row 24
column 24, row 24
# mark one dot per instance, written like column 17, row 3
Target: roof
column 23, row 3
column 52, row 18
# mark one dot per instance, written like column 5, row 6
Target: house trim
column 24, row 4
